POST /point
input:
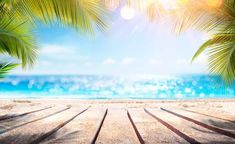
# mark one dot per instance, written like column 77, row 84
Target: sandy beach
column 106, row 121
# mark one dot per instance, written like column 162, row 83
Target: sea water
column 115, row 87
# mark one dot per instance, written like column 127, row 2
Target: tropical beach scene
column 117, row 71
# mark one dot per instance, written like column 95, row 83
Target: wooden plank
column 215, row 129
column 47, row 134
column 200, row 134
column 10, row 116
column 173, row 129
column 151, row 130
column 117, row 128
column 29, row 132
column 99, row 127
column 217, row 116
column 80, row 130
column 135, row 128
column 16, row 108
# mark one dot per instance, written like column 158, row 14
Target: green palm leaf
column 217, row 39
column 80, row 14
column 221, row 55
column 17, row 39
column 219, row 23
column 6, row 68
column 19, row 17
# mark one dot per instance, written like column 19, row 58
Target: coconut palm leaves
column 5, row 68
column 16, row 39
column 219, row 22
column 79, row 14
column 221, row 55
column 217, row 19
column 18, row 18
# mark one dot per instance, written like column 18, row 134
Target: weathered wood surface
column 72, row 124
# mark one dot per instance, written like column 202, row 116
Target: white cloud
column 61, row 54
column 55, row 50
column 109, row 61
column 128, row 61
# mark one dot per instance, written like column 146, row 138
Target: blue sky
column 133, row 46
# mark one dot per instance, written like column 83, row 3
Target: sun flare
column 167, row 4
column 127, row 12
column 112, row 5
column 214, row 3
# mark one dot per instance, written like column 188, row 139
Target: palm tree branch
column 6, row 68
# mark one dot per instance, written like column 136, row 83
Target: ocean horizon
column 178, row 87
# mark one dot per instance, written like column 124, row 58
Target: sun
column 127, row 12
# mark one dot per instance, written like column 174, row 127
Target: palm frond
column 18, row 17
column 218, row 22
column 221, row 55
column 6, row 68
column 80, row 14
column 17, row 39
column 221, row 61
column 217, row 39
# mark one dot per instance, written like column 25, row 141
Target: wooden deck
column 69, row 124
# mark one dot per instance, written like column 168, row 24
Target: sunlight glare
column 206, row 37
column 127, row 12
column 214, row 3
column 112, row 4
column 168, row 4
column 182, row 1
column 172, row 4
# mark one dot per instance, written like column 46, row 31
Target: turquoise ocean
column 115, row 87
